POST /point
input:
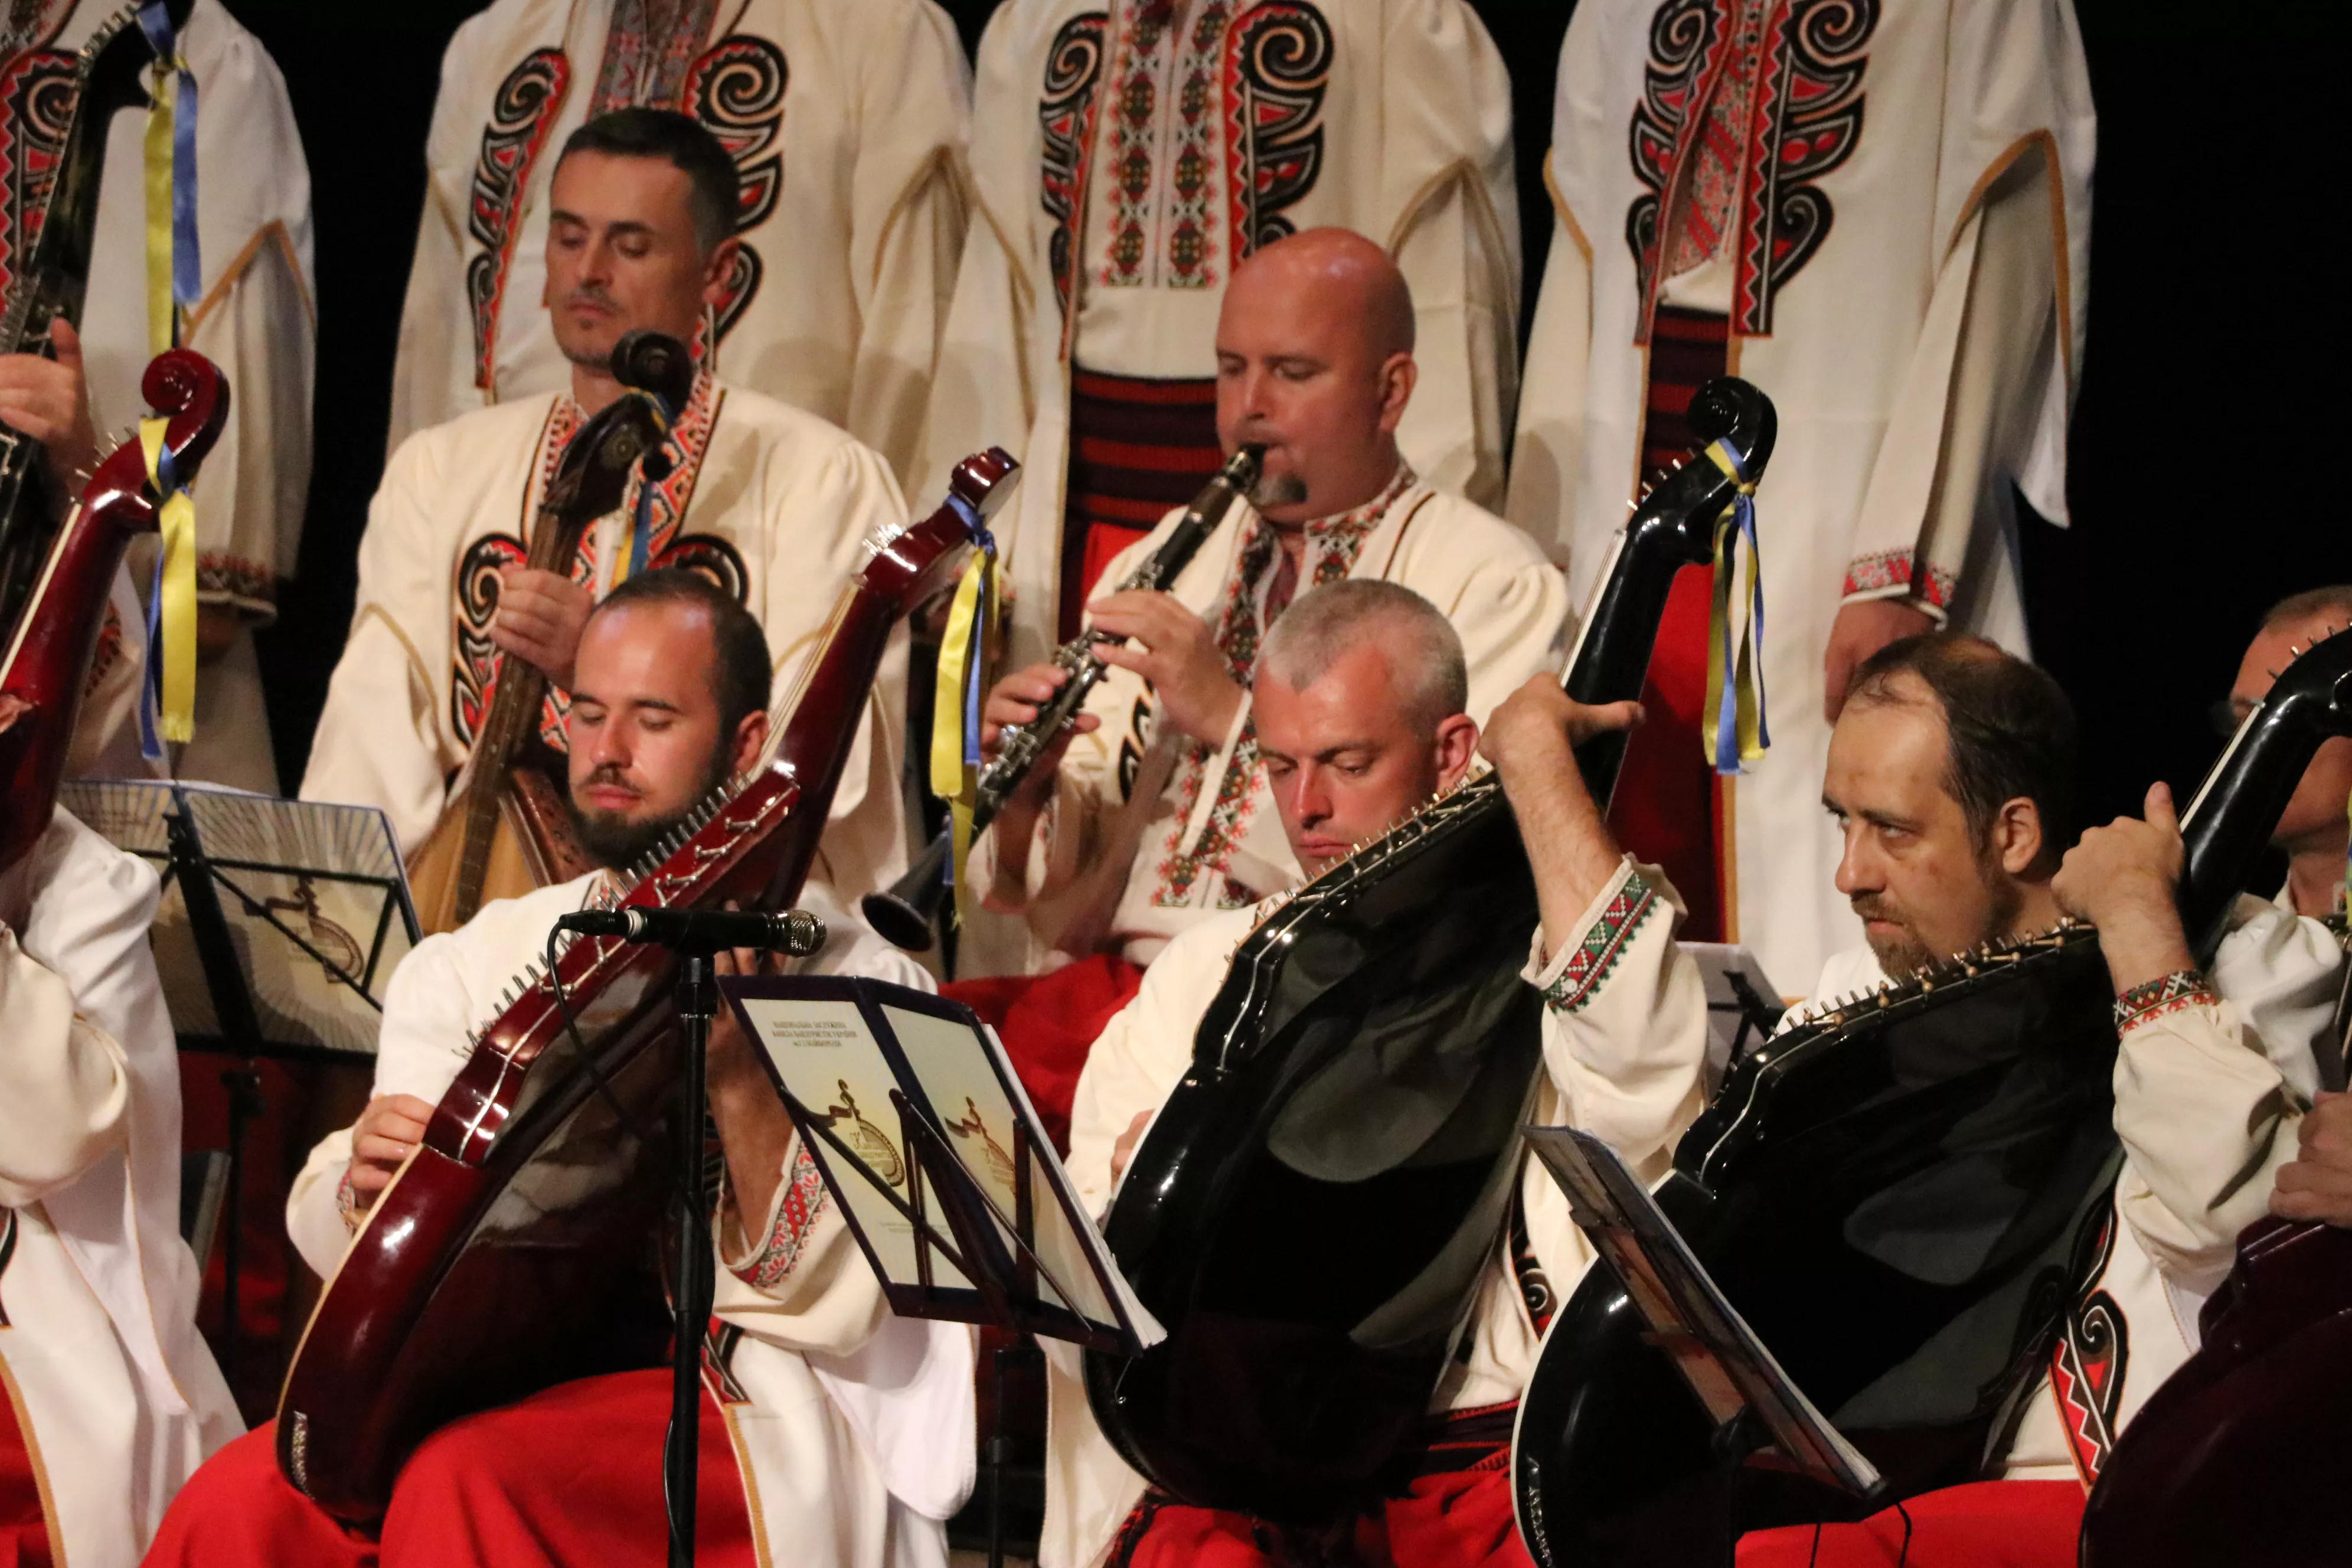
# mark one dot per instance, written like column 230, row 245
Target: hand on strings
column 388, row 1130
column 1124, row 1149
column 1540, row 726
column 1860, row 629
column 2317, row 1182
column 539, row 619
column 1175, row 651
column 48, row 400
column 2122, row 878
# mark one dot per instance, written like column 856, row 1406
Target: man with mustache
column 1360, row 695
column 670, row 700
column 771, row 503
column 1950, row 777
column 1154, row 815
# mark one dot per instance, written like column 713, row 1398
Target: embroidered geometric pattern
column 1331, row 545
column 1597, row 954
column 1191, row 174
column 803, row 1201
column 1134, row 125
column 1802, row 114
column 2088, row 1363
column 520, row 115
column 1901, row 569
column 232, row 577
column 737, row 92
column 1277, row 69
column 2171, row 993
column 37, row 99
column 1066, row 114
column 646, row 57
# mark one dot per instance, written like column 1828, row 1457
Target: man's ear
column 1457, row 743
column 717, row 269
column 751, row 735
column 1399, row 375
column 2017, row 837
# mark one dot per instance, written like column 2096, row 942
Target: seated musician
column 1360, row 697
column 111, row 1399
column 771, row 503
column 670, row 700
column 1156, row 815
column 1950, row 771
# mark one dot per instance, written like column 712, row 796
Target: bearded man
column 803, row 1459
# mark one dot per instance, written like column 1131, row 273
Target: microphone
column 793, row 932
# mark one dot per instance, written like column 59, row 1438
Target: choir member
column 833, row 1434
column 1360, row 696
column 250, row 313
column 1156, row 815
column 1126, row 158
column 1878, row 214
column 845, row 123
column 774, row 504
column 111, row 1399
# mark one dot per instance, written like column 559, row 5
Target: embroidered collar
column 1362, row 518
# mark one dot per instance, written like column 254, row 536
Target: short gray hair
column 1424, row 652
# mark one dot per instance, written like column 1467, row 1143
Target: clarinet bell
column 907, row 912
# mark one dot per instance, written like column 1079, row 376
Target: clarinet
column 903, row 913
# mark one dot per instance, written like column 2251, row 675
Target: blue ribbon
column 1741, row 525
column 187, row 265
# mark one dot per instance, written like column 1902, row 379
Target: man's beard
column 1277, row 489
column 599, row 360
column 1902, row 954
column 616, row 841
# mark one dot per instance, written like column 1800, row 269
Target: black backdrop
column 2210, row 429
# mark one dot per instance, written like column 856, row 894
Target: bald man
column 1155, row 814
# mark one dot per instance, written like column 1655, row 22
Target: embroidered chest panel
column 1198, row 133
column 653, row 539
column 735, row 88
column 1332, row 545
column 37, row 99
column 1745, row 105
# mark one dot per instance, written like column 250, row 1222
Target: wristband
column 2167, row 994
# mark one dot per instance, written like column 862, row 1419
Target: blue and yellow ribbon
column 1741, row 734
column 966, row 649
column 169, row 703
column 175, row 272
column 641, row 521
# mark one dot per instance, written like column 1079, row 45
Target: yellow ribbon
column 965, row 649
column 178, row 524
column 163, row 314
column 1735, row 731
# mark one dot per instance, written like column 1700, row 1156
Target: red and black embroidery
column 1277, row 71
column 2087, row 1367
column 1620, row 921
column 473, row 677
column 719, row 1343
column 1065, row 113
column 8, row 1251
column 646, row 60
column 521, row 116
column 1804, row 120
column 737, row 91
column 37, row 99
column 1922, row 580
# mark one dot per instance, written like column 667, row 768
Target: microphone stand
column 681, row 1451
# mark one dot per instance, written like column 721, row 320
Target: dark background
column 2208, row 434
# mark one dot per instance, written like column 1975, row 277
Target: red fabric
column 1104, row 541
column 1138, row 446
column 274, row 1153
column 1049, row 1023
column 572, row 1477
column 239, row 1511
column 1991, row 1524
column 1461, row 1519
column 24, row 1528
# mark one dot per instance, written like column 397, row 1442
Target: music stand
column 281, row 922
column 1762, row 1419
column 1019, row 1250
column 1742, row 1006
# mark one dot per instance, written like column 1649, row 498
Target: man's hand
column 2122, row 878
column 1859, row 630
column 754, row 1129
column 391, row 1126
column 1124, row 1149
column 2317, row 1182
column 50, row 401
column 1017, row 699
column 539, row 619
column 1179, row 655
column 1540, row 726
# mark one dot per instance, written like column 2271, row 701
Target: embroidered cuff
column 800, row 1200
column 2181, row 988
column 347, row 1203
column 246, row 586
column 1901, row 574
column 1569, row 980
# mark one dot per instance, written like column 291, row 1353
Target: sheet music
column 313, row 897
column 1727, row 1366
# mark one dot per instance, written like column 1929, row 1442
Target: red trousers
column 1049, row 1023
column 572, row 1477
column 24, row 1527
column 1991, row 1524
